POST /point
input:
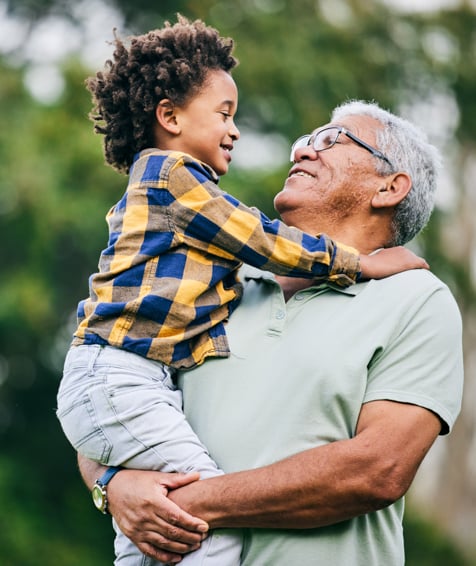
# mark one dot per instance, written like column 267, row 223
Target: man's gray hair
column 408, row 149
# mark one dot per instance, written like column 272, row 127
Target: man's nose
column 306, row 152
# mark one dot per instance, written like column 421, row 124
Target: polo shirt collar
column 247, row 272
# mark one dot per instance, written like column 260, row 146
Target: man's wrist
column 99, row 490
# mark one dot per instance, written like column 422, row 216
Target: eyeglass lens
column 324, row 139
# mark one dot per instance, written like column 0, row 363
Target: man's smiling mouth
column 301, row 174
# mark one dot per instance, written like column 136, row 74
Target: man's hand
column 318, row 487
column 156, row 525
column 389, row 261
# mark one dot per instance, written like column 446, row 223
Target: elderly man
column 332, row 397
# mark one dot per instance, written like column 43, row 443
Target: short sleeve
column 423, row 363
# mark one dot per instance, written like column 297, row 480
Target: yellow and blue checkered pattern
column 167, row 281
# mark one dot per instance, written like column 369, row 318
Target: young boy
column 167, row 280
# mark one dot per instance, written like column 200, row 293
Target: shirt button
column 299, row 297
column 280, row 314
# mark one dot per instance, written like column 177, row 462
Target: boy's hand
column 389, row 261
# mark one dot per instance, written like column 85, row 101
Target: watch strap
column 108, row 475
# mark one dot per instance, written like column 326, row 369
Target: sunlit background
column 298, row 59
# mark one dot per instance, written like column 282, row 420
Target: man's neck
column 291, row 285
column 365, row 233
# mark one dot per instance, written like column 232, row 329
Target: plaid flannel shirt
column 167, row 281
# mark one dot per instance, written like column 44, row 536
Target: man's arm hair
column 326, row 484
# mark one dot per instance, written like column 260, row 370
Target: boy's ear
column 165, row 114
column 395, row 189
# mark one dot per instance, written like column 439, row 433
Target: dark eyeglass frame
column 309, row 139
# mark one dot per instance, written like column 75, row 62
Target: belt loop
column 94, row 352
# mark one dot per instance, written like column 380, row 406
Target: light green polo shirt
column 297, row 377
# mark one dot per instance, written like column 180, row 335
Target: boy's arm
column 217, row 223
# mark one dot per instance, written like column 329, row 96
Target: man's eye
column 226, row 114
column 326, row 141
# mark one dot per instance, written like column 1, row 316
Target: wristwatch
column 99, row 489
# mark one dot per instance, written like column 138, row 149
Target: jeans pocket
column 81, row 428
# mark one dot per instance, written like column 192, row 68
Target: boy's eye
column 226, row 114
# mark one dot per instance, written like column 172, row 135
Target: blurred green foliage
column 298, row 60
column 426, row 545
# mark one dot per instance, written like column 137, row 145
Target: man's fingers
column 163, row 549
column 178, row 521
column 159, row 542
column 160, row 555
column 157, row 511
column 161, row 534
column 153, row 522
column 173, row 481
column 177, row 534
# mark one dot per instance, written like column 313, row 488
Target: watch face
column 99, row 497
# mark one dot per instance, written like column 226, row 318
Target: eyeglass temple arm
column 365, row 145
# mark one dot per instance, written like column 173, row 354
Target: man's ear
column 392, row 191
column 166, row 118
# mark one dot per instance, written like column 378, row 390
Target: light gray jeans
column 120, row 409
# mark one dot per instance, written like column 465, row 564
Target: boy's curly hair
column 172, row 63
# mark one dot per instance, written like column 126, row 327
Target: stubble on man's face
column 323, row 202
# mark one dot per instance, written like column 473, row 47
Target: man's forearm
column 90, row 471
column 303, row 491
column 318, row 487
column 324, row 485
column 283, row 495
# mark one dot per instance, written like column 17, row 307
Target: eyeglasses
column 327, row 138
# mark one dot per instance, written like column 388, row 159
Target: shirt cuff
column 345, row 268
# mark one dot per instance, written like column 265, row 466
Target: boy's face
column 206, row 127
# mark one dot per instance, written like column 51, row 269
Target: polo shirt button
column 280, row 314
column 299, row 297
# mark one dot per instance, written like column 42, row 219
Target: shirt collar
column 247, row 272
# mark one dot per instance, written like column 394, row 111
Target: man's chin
column 285, row 201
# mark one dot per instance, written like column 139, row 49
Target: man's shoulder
column 413, row 282
column 414, row 290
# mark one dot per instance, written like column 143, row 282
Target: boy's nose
column 234, row 133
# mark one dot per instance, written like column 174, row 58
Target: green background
column 298, row 60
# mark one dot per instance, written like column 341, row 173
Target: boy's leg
column 121, row 409
column 127, row 553
column 118, row 408
column 221, row 548
column 155, row 417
